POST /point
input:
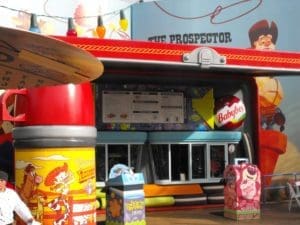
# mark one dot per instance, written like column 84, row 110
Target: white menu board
column 142, row 107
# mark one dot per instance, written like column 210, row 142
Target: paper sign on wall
column 142, row 107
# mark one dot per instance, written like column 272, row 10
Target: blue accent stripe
column 167, row 137
column 196, row 136
column 125, row 137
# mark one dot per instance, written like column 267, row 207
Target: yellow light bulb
column 124, row 24
column 123, row 21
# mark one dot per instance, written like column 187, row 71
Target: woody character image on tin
column 59, row 180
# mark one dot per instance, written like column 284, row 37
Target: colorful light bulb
column 34, row 27
column 71, row 28
column 101, row 30
column 123, row 21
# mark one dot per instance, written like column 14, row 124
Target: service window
column 189, row 162
column 171, row 162
column 107, row 155
column 100, row 164
column 160, row 155
column 199, row 170
column 217, row 160
column 179, row 162
column 117, row 154
column 136, row 154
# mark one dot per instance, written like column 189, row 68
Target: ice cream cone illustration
column 263, row 36
column 272, row 141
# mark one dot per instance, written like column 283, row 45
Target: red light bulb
column 71, row 28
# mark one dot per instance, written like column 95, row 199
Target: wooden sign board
column 31, row 60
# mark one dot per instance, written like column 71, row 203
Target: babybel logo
column 230, row 112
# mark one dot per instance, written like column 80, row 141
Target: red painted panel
column 143, row 50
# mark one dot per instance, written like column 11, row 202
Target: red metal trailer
column 136, row 69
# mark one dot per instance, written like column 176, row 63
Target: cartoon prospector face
column 59, row 180
column 263, row 36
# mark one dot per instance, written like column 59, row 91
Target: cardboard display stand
column 125, row 198
column 242, row 192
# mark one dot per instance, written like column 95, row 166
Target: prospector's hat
column 262, row 27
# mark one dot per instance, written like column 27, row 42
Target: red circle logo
column 230, row 113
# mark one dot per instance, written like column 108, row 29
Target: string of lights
column 100, row 29
column 115, row 12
